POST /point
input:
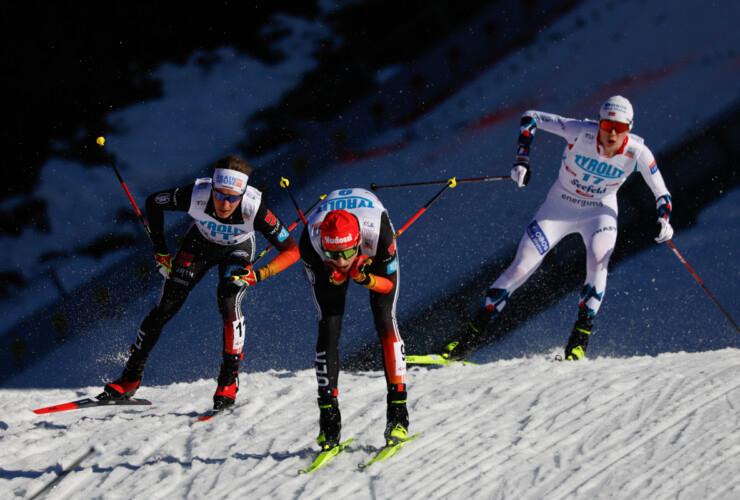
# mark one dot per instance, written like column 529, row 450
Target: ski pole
column 285, row 183
column 101, row 143
column 451, row 183
column 63, row 474
column 375, row 187
column 680, row 257
column 290, row 228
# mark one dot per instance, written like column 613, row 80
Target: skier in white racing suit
column 596, row 162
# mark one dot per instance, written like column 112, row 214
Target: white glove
column 520, row 173
column 665, row 231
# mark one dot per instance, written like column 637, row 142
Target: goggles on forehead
column 345, row 254
column 608, row 126
column 231, row 198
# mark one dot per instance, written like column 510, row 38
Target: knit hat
column 617, row 109
column 339, row 230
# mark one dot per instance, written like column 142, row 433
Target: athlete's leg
column 188, row 267
column 383, row 307
column 599, row 235
column 539, row 238
column 554, row 220
column 330, row 302
column 230, row 294
column 600, row 238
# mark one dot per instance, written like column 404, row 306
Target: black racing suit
column 194, row 258
column 330, row 302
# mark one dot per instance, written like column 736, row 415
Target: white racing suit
column 583, row 200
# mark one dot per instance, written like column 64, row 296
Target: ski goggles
column 231, row 198
column 345, row 254
column 608, row 126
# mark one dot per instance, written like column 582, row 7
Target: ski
column 387, row 452
column 212, row 413
column 89, row 403
column 433, row 359
column 325, row 456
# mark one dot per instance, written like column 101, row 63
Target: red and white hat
column 339, row 230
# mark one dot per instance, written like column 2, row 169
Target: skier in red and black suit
column 226, row 214
column 350, row 238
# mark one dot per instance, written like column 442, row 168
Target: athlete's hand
column 164, row 263
column 244, row 276
column 336, row 277
column 665, row 231
column 520, row 173
column 357, row 271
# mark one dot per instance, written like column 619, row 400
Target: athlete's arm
column 648, row 168
column 384, row 269
column 568, row 128
column 272, row 228
column 172, row 200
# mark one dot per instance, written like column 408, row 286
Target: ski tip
column 55, row 408
column 435, row 359
column 325, row 456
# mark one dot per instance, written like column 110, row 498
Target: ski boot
column 330, row 419
column 228, row 382
column 474, row 335
column 127, row 384
column 578, row 341
column 397, row 427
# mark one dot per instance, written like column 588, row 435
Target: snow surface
column 618, row 425
column 639, row 428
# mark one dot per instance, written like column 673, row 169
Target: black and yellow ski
column 433, row 359
column 387, row 452
column 325, row 456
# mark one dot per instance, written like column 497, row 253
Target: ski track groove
column 691, row 478
column 631, row 448
column 550, row 442
column 640, row 411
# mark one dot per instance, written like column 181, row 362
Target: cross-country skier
column 596, row 162
column 226, row 213
column 350, row 238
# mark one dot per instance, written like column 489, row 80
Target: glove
column 665, row 231
column 357, row 271
column 243, row 276
column 520, row 173
column 164, row 263
column 336, row 277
